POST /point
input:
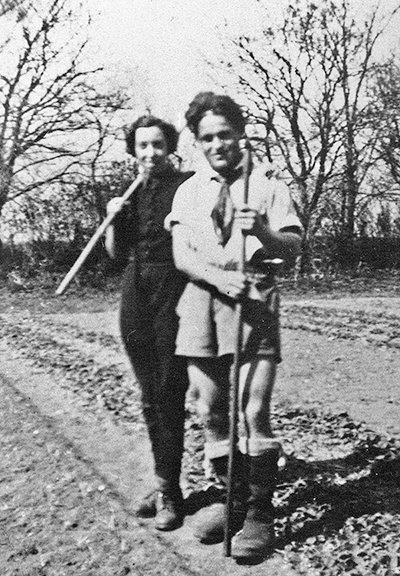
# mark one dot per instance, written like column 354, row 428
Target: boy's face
column 219, row 142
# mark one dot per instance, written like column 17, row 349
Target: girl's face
column 151, row 148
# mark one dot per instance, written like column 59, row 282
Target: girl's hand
column 114, row 205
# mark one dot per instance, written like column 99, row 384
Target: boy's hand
column 230, row 283
column 250, row 221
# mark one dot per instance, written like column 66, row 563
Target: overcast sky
column 168, row 37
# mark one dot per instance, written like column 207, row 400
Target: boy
column 207, row 220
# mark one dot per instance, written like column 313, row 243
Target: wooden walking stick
column 97, row 235
column 233, row 436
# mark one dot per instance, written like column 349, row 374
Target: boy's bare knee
column 204, row 409
column 207, row 414
column 212, row 417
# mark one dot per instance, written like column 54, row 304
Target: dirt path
column 70, row 485
column 68, row 385
column 60, row 513
column 345, row 355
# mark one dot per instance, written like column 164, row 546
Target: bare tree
column 305, row 80
column 355, row 61
column 46, row 99
column 384, row 113
column 7, row 6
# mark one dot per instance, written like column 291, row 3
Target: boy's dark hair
column 219, row 105
column 170, row 133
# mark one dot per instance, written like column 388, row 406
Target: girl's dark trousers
column 150, row 293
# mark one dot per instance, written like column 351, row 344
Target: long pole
column 96, row 236
column 236, row 375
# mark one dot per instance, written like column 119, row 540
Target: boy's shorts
column 207, row 322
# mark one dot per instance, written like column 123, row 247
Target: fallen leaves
column 338, row 499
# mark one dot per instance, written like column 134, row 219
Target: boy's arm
column 284, row 243
column 229, row 282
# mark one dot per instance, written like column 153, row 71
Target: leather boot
column 169, row 510
column 209, row 523
column 256, row 540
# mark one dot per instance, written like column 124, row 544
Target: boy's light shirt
column 195, row 199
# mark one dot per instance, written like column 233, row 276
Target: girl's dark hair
column 219, row 105
column 170, row 133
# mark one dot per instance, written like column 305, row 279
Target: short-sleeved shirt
column 196, row 198
column 207, row 317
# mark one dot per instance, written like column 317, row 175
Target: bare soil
column 74, row 456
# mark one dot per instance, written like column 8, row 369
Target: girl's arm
column 111, row 243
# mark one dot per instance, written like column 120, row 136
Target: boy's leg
column 256, row 539
column 210, row 380
column 257, row 379
column 210, row 377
